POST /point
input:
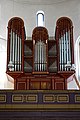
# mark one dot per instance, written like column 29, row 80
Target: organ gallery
column 44, row 62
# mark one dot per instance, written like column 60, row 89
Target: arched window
column 77, row 58
column 40, row 18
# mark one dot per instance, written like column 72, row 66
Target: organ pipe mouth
column 11, row 66
column 68, row 64
column 72, row 67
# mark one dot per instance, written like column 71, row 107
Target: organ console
column 41, row 63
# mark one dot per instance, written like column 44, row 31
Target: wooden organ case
column 41, row 63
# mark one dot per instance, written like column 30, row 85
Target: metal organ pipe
column 66, row 40
column 65, row 52
column 69, row 47
column 35, row 67
column 35, row 57
column 60, row 51
column 40, row 56
column 43, row 59
column 11, row 65
column 64, row 49
column 44, row 52
column 64, row 35
column 20, row 54
column 15, row 51
column 68, row 52
column 11, row 46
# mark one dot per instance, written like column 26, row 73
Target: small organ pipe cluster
column 40, row 63
column 40, row 56
column 15, row 52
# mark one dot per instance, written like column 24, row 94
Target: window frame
column 37, row 15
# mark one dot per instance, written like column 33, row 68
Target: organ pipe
column 15, row 52
column 69, row 47
column 18, row 52
column 64, row 36
column 65, row 52
column 15, row 38
column 11, row 46
column 40, row 56
column 20, row 55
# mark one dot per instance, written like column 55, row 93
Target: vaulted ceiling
column 40, row 2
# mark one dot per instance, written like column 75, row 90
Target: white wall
column 28, row 12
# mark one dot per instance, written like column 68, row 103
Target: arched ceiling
column 40, row 2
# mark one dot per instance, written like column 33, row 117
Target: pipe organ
column 43, row 62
